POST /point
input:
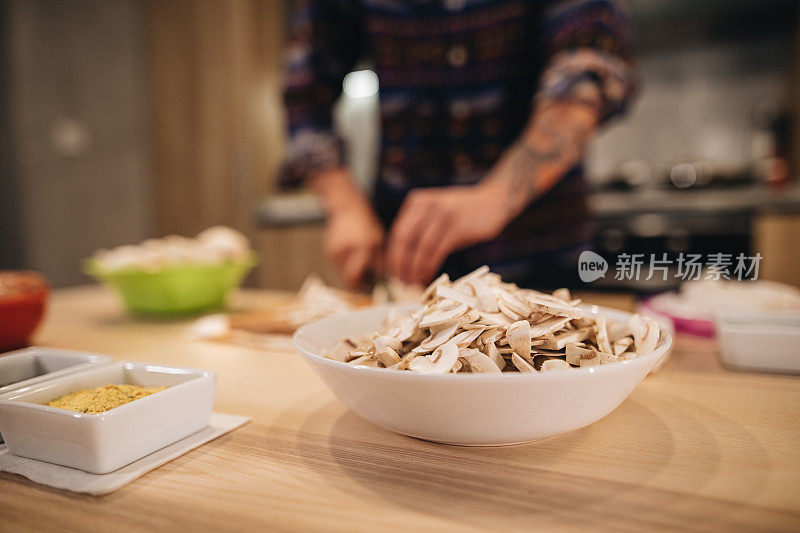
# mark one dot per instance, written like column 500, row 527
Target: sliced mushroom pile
column 478, row 323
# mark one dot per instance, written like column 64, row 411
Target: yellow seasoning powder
column 93, row 401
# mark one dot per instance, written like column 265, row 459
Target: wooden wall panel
column 775, row 237
column 197, row 137
column 218, row 131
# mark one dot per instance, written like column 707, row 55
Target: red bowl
column 20, row 314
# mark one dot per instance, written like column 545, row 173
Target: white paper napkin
column 62, row 477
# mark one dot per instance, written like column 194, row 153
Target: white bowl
column 471, row 409
column 101, row 443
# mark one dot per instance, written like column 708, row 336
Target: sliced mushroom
column 466, row 337
column 444, row 279
column 481, row 324
column 591, row 361
column 403, row 364
column 485, row 295
column 364, row 360
column 448, row 355
column 475, row 274
column 554, row 364
column 356, row 354
column 405, row 328
column 619, row 330
column 554, row 307
column 492, row 352
column 418, row 336
column 650, row 339
column 387, row 356
column 443, row 291
column 341, row 350
column 479, row 362
column 440, row 316
column 602, row 334
column 436, row 339
column 605, row 357
column 583, row 322
column 574, row 354
column 495, row 319
column 491, row 334
column 519, row 338
column 548, row 326
column 382, row 341
column 560, row 340
column 620, row 345
column 507, row 311
column 562, row 294
column 637, row 327
column 514, row 305
column 469, row 318
column 521, row 364
column 548, row 353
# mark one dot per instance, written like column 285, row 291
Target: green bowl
column 175, row 289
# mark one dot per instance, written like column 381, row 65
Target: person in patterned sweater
column 486, row 110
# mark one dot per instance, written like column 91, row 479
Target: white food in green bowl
column 174, row 274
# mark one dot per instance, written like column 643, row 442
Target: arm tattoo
column 525, row 164
column 552, row 143
column 535, row 165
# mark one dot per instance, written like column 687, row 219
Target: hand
column 433, row 223
column 353, row 234
column 354, row 242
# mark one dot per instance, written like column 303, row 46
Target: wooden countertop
column 694, row 447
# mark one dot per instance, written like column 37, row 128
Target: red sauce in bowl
column 23, row 296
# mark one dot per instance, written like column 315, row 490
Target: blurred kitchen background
column 126, row 119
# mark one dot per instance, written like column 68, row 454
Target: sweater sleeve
column 324, row 45
column 588, row 55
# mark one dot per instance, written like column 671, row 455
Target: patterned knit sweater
column 458, row 81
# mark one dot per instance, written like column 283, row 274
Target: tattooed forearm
column 526, row 163
column 554, row 141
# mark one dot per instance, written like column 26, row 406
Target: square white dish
column 21, row 368
column 101, row 443
column 760, row 342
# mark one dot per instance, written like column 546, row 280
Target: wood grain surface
column 695, row 447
